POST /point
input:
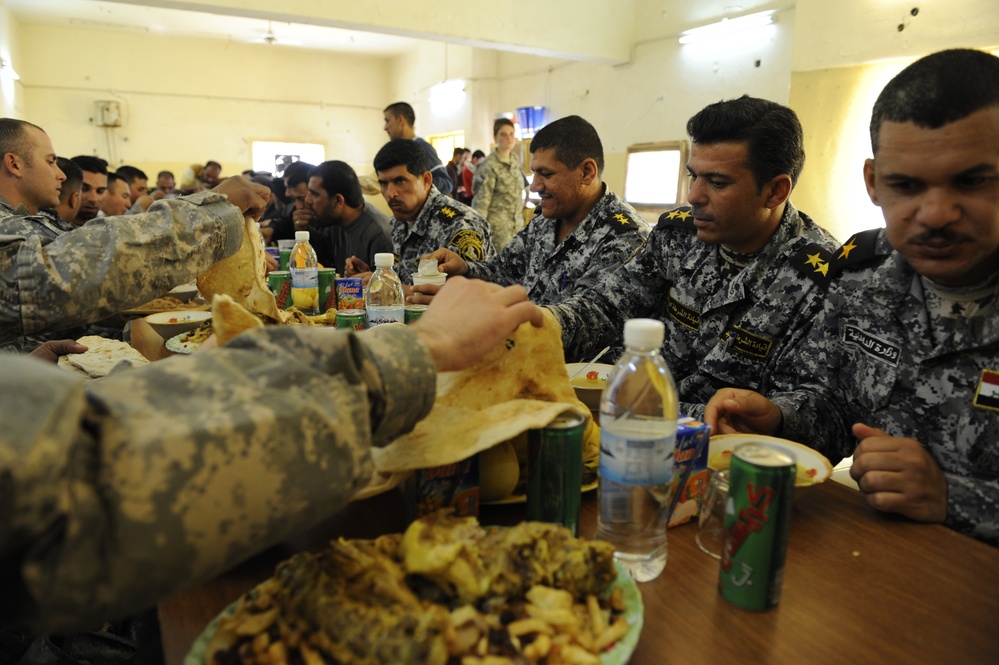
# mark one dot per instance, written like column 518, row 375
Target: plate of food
column 812, row 466
column 444, row 590
column 188, row 342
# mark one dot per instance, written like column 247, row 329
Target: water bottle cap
column 644, row 333
column 384, row 260
column 301, row 236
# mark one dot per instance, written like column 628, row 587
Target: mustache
column 944, row 234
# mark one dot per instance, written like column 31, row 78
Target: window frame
column 652, row 209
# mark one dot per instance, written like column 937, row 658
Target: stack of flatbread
column 521, row 384
column 102, row 356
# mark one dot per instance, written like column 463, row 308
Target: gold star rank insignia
column 673, row 214
column 814, row 260
column 621, row 218
column 683, row 214
column 847, row 248
column 823, row 268
column 448, row 212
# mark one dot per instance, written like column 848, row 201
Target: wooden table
column 858, row 588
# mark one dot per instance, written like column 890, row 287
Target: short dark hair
column 14, row 138
column 74, row 177
column 457, row 151
column 478, row 153
column 937, row 90
column 403, row 109
column 771, row 132
column 501, row 122
column 573, row 140
column 398, row 152
column 91, row 164
column 338, row 178
column 212, row 162
column 165, row 174
column 297, row 173
column 131, row 173
column 113, row 177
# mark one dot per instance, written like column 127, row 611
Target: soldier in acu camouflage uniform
column 121, row 491
column 52, row 278
column 499, row 186
column 720, row 274
column 581, row 230
column 904, row 355
column 423, row 218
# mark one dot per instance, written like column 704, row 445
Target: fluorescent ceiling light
column 726, row 26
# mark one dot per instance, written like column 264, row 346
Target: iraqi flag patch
column 987, row 395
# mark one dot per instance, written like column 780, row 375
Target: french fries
column 554, row 630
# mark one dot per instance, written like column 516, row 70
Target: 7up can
column 757, row 521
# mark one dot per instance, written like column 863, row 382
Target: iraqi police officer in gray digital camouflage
column 720, row 273
column 121, row 491
column 423, row 218
column 904, row 355
column 51, row 280
column 580, row 231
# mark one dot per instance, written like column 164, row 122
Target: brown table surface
column 858, row 587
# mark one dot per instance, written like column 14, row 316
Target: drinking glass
column 711, row 524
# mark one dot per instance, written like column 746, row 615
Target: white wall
column 11, row 97
column 188, row 100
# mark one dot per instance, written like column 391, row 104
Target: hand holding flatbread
column 521, row 384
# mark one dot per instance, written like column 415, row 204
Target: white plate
column 813, row 466
column 174, row 344
column 619, row 654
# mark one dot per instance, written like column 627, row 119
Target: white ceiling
column 117, row 15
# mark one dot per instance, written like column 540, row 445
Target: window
column 445, row 144
column 274, row 156
column 654, row 177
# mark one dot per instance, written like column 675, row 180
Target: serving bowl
column 184, row 292
column 590, row 384
column 170, row 324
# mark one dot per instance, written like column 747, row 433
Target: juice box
column 349, row 293
column 448, row 486
column 689, row 433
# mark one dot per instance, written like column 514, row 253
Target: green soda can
column 555, row 471
column 413, row 312
column 351, row 319
column 327, row 289
column 757, row 521
column 280, row 283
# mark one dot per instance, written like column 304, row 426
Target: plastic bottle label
column 305, row 278
column 378, row 316
column 636, row 461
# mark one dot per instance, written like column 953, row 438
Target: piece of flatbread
column 102, row 356
column 243, row 276
column 229, row 318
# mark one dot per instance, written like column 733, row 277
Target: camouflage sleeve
column 121, row 491
column 608, row 295
column 973, row 507
column 507, row 266
column 111, row 264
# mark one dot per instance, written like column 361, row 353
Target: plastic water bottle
column 638, row 422
column 384, row 298
column 304, row 267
